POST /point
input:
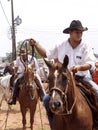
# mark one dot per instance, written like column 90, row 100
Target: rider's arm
column 77, row 68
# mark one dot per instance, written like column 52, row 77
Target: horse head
column 27, row 81
column 9, row 69
column 29, row 73
column 59, row 78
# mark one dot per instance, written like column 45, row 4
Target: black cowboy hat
column 75, row 24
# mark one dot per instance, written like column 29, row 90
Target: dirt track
column 12, row 119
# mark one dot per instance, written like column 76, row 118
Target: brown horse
column 28, row 95
column 69, row 107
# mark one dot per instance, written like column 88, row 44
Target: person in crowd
column 81, row 57
column 19, row 68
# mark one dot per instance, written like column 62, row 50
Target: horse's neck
column 71, row 89
column 28, row 77
column 71, row 94
column 5, row 81
column 71, row 83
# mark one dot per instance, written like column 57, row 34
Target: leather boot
column 12, row 101
column 41, row 90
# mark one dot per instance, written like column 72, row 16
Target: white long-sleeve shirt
column 80, row 55
column 20, row 63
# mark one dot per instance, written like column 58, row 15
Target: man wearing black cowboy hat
column 75, row 25
column 81, row 57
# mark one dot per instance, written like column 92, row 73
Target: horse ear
column 48, row 63
column 65, row 61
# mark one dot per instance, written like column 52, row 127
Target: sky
column 44, row 20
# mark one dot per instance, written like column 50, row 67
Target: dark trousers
column 16, row 86
column 16, row 89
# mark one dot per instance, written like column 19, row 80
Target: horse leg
column 1, row 100
column 23, row 111
column 6, row 93
column 8, row 96
column 31, row 118
column 2, row 94
column 32, row 112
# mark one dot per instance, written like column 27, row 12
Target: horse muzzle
column 56, row 106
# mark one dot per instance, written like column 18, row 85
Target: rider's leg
column 95, row 86
column 41, row 90
column 45, row 97
column 46, row 100
column 15, row 93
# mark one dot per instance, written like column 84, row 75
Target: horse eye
column 50, row 79
column 64, row 77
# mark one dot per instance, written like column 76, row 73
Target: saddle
column 89, row 93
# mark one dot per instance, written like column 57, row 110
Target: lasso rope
column 40, row 116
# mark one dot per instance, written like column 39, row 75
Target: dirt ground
column 11, row 119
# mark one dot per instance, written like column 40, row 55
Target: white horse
column 5, row 92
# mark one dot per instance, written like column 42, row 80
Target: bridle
column 29, row 85
column 64, row 97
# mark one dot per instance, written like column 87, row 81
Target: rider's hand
column 32, row 42
column 75, row 69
